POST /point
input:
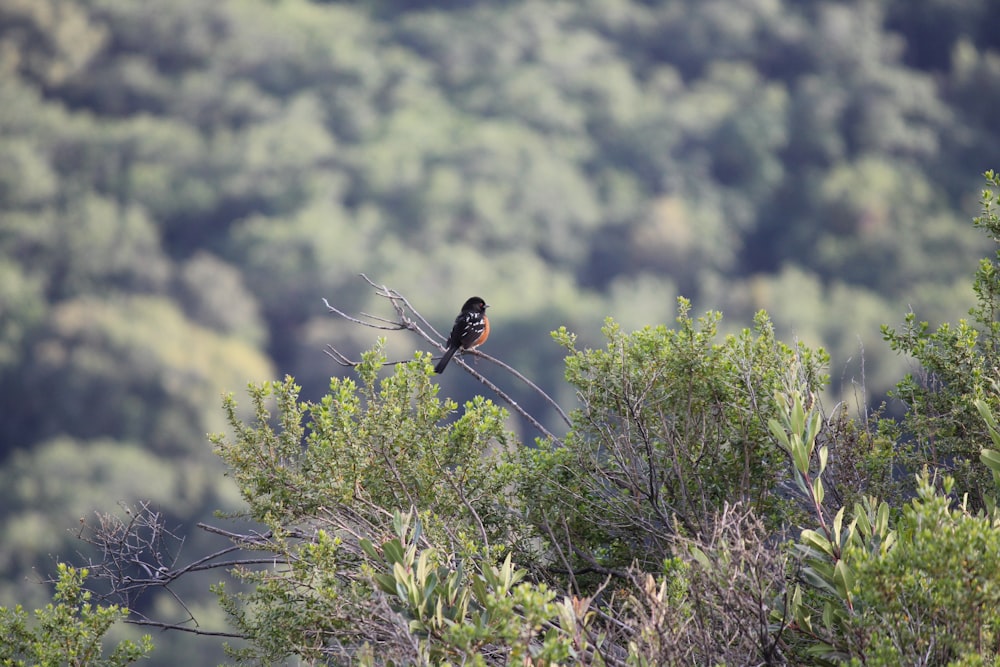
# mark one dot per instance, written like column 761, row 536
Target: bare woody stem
column 409, row 318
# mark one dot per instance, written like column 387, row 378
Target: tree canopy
column 180, row 189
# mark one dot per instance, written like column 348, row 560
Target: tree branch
column 184, row 628
column 409, row 318
column 139, row 553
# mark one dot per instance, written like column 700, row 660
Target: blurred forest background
column 181, row 184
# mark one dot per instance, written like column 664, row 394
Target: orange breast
column 486, row 332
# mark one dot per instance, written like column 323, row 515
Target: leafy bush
column 958, row 365
column 673, row 426
column 69, row 631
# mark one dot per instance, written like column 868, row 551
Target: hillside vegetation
column 181, row 188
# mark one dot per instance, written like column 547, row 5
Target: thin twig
column 409, row 318
column 343, row 360
column 413, row 310
column 510, row 369
column 504, row 397
column 396, row 326
column 183, row 628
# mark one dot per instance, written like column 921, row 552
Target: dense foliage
column 653, row 533
column 180, row 188
column 68, row 631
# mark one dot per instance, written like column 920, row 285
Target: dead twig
column 409, row 318
column 139, row 554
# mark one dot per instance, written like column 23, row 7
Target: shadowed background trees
column 180, row 188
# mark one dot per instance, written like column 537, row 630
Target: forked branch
column 138, row 554
column 409, row 318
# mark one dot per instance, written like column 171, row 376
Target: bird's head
column 475, row 304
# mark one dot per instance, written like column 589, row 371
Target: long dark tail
column 448, row 354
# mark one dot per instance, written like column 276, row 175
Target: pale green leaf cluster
column 70, row 631
column 458, row 614
column 673, row 424
column 179, row 188
column 920, row 588
column 957, row 367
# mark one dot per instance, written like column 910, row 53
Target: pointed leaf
column 828, row 616
column 422, row 564
column 991, row 422
column 800, row 454
column 386, row 582
column 814, row 579
column 798, row 417
column 815, row 426
column 400, row 523
column 851, row 536
column 369, row 548
column 778, row 431
column 701, row 558
column 816, row 540
column 843, row 578
column 393, row 551
column 882, row 519
column 862, row 521
column 838, row 523
column 990, row 458
column 479, row 589
column 430, row 586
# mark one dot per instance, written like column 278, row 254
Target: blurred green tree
column 69, row 631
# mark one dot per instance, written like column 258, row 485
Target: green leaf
column 882, row 519
column 990, row 458
column 819, row 575
column 778, row 431
column 393, row 551
column 838, row 523
column 369, row 548
column 480, row 590
column 386, row 582
column 798, row 416
column 843, row 579
column 991, row 422
column 828, row 616
column 422, row 564
column 800, row 455
column 701, row 558
column 816, row 540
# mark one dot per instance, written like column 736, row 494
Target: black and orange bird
column 471, row 329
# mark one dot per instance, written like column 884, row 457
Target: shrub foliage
column 701, row 508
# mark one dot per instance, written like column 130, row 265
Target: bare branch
column 409, row 318
column 392, row 326
column 504, row 396
column 184, row 628
column 343, row 360
column 522, row 378
column 396, row 296
column 137, row 554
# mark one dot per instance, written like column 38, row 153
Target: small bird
column 471, row 329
